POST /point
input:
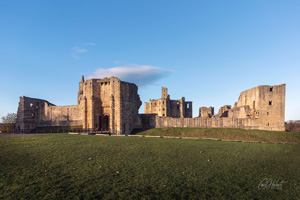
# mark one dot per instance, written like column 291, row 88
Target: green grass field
column 228, row 134
column 62, row 166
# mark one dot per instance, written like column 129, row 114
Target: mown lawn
column 61, row 166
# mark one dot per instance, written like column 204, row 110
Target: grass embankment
column 228, row 134
column 61, row 166
column 55, row 129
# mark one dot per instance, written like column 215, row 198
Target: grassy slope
column 49, row 129
column 227, row 134
column 61, row 166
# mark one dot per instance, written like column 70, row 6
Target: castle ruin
column 112, row 105
column 107, row 104
column 261, row 107
column 165, row 107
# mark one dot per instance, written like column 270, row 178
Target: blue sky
column 207, row 51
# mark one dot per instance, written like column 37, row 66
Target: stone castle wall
column 206, row 112
column 206, row 123
column 153, row 121
column 262, row 107
column 34, row 113
column 267, row 104
column 112, row 105
column 62, row 116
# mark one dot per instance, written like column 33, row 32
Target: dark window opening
column 253, row 104
column 163, row 114
column 177, row 107
column 268, row 124
column 267, row 113
column 271, row 89
column 270, row 103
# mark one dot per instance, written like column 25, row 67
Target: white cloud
column 141, row 75
column 79, row 50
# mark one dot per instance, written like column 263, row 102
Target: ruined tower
column 267, row 106
column 165, row 107
column 108, row 104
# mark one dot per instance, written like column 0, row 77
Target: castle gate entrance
column 104, row 123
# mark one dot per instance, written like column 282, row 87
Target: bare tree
column 292, row 125
column 10, row 118
column 8, row 122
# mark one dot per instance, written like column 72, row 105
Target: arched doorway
column 104, row 123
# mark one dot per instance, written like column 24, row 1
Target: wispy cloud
column 74, row 56
column 79, row 50
column 141, row 75
column 90, row 44
column 76, row 51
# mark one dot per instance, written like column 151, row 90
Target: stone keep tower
column 108, row 104
column 166, row 107
column 267, row 106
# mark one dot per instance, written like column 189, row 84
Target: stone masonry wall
column 112, row 105
column 62, row 116
column 262, row 107
column 206, row 112
column 267, row 104
column 34, row 112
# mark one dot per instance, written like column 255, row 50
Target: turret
column 164, row 92
column 80, row 92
